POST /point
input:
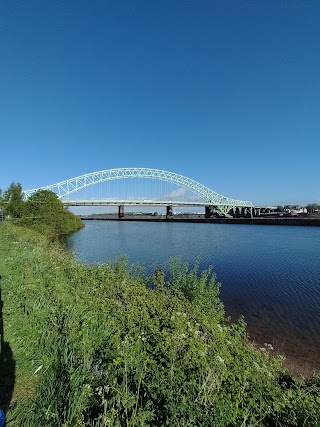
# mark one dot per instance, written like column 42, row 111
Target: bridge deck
column 107, row 202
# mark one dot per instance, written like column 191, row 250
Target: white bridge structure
column 213, row 202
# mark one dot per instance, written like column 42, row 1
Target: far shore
column 274, row 220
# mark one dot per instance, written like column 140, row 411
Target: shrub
column 105, row 348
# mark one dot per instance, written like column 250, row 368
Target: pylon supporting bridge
column 211, row 198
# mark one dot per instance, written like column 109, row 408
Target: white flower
column 268, row 346
column 220, row 359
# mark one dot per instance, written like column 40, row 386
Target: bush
column 107, row 349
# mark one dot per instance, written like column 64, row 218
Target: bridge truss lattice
column 211, row 198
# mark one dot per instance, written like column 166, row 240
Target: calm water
column 268, row 274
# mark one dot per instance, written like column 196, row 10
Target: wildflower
column 268, row 346
column 219, row 358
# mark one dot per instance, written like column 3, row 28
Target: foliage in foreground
column 107, row 346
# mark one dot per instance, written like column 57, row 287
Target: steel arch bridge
column 210, row 198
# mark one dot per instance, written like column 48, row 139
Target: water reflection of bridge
column 214, row 203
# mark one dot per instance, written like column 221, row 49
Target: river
column 269, row 274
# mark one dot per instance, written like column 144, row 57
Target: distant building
column 295, row 210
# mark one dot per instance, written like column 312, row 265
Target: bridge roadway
column 215, row 203
column 211, row 199
column 210, row 210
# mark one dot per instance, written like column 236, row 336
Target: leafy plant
column 98, row 346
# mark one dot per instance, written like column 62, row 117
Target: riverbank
column 300, row 358
column 270, row 275
column 84, row 342
column 302, row 221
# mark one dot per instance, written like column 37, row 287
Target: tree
column 312, row 207
column 45, row 211
column 12, row 201
column 1, row 205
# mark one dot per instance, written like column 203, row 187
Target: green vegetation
column 313, row 207
column 43, row 211
column 106, row 345
column 12, row 201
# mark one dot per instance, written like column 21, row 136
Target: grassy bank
column 108, row 346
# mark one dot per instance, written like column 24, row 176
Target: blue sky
column 224, row 92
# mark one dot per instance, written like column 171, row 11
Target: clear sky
column 224, row 92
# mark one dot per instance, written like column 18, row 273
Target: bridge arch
column 209, row 196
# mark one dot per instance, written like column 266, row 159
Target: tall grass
column 98, row 346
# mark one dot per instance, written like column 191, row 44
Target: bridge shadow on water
column 7, row 366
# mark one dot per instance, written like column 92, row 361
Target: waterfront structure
column 214, row 203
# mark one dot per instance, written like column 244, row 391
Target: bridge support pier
column 121, row 211
column 169, row 212
column 247, row 212
column 209, row 212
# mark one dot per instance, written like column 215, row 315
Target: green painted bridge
column 211, row 200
